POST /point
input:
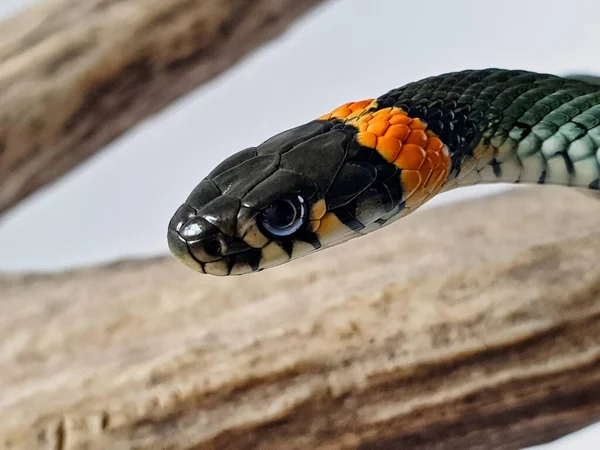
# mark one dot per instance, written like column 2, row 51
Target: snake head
column 268, row 204
column 307, row 188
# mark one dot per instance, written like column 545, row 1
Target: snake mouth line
column 239, row 262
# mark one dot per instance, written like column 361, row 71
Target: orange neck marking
column 410, row 146
column 421, row 155
column 350, row 110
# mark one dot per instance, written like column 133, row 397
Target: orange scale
column 360, row 105
column 434, row 157
column 426, row 169
column 348, row 110
column 354, row 114
column 434, row 144
column 383, row 112
column 445, row 164
column 366, row 139
column 400, row 119
column 378, row 127
column 385, row 117
column 388, row 147
column 365, row 119
column 416, row 124
column 399, row 132
column 341, row 112
column 432, row 183
column 411, row 157
column 417, row 137
column 411, row 180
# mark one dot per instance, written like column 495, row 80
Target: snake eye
column 284, row 217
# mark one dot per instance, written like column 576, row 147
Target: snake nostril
column 212, row 247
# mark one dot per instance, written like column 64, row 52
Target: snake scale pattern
column 370, row 162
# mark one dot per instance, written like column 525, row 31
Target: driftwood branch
column 466, row 327
column 75, row 74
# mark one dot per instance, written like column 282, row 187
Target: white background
column 119, row 202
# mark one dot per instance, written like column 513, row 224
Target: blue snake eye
column 283, row 218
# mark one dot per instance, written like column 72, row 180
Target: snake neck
column 509, row 126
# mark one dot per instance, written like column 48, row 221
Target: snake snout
column 177, row 244
column 195, row 241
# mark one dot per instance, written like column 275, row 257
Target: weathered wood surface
column 75, row 74
column 475, row 326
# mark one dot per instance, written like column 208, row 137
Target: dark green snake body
column 369, row 163
column 542, row 126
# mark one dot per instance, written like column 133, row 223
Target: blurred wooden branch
column 467, row 327
column 75, row 74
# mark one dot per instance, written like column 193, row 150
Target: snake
column 370, row 162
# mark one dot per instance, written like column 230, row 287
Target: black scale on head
column 365, row 174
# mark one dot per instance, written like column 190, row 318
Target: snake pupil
column 281, row 215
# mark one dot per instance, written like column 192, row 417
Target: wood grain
column 75, row 74
column 465, row 327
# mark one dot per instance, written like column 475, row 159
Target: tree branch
column 75, row 74
column 464, row 327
